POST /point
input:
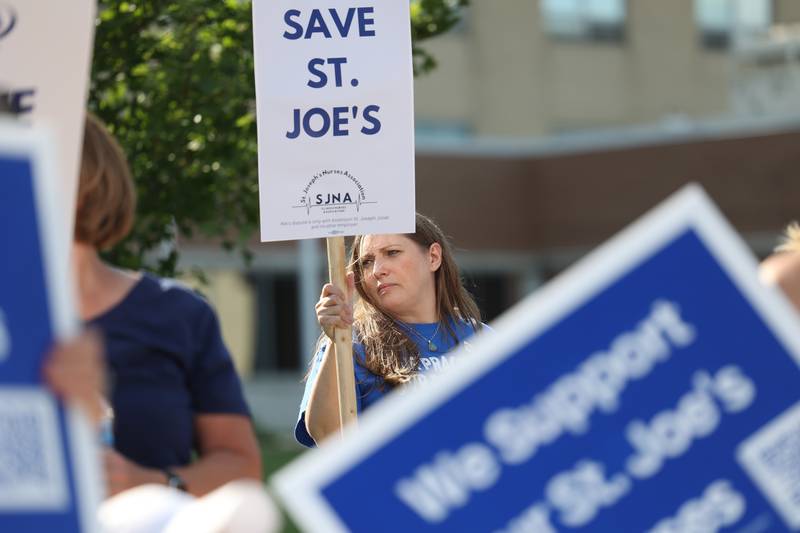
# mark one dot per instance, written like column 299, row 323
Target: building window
column 492, row 293
column 719, row 20
column 278, row 327
column 594, row 20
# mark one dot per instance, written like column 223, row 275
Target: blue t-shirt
column 371, row 388
column 167, row 363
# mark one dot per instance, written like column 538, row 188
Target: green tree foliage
column 174, row 81
column 430, row 18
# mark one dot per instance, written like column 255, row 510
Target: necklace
column 431, row 346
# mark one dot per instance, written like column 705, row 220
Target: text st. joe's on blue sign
column 638, row 393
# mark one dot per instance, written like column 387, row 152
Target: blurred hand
column 123, row 474
column 335, row 307
column 783, row 269
column 75, row 371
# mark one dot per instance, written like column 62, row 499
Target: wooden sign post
column 343, row 338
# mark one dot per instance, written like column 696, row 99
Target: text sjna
column 513, row 435
column 5, row 338
column 331, row 72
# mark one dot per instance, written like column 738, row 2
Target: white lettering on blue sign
column 446, row 483
column 534, row 519
column 567, row 405
column 671, row 432
column 434, row 363
column 719, row 506
column 5, row 338
column 578, row 494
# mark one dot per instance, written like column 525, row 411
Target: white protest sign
column 334, row 87
column 653, row 387
column 45, row 54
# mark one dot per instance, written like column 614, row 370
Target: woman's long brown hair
column 391, row 353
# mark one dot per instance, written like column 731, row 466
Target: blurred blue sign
column 45, row 476
column 654, row 387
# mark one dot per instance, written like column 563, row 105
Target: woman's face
column 398, row 275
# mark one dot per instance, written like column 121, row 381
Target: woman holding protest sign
column 173, row 388
column 412, row 309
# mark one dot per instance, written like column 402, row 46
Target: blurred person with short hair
column 173, row 388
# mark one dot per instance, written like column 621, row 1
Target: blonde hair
column 791, row 241
column 106, row 196
column 391, row 353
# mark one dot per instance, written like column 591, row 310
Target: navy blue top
column 371, row 388
column 167, row 363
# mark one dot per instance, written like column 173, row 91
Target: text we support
column 317, row 122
